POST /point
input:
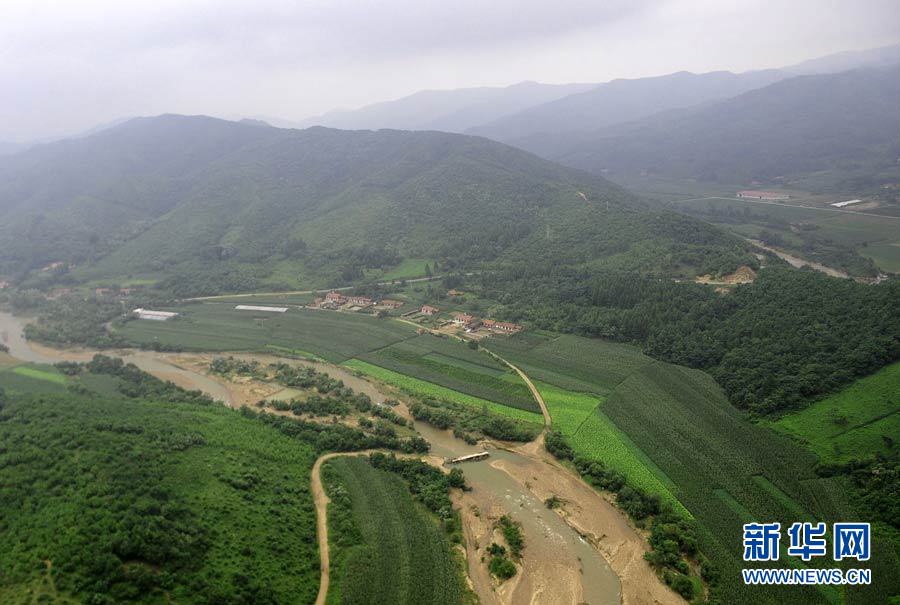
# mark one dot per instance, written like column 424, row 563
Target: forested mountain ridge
column 847, row 123
column 174, row 195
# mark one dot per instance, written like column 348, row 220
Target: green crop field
column 335, row 337
column 115, row 500
column 568, row 409
column 423, row 388
column 449, row 363
column 386, row 548
column 858, row 422
column 571, row 362
column 599, row 439
column 670, row 430
column 579, row 417
column 50, row 375
column 31, row 378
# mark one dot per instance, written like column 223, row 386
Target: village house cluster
column 470, row 323
column 336, row 300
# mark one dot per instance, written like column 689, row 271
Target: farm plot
column 32, row 378
column 572, row 362
column 423, row 388
column 568, row 409
column 452, row 365
column 335, row 337
column 682, row 422
column 598, row 439
column 858, row 422
column 670, row 430
column 384, row 547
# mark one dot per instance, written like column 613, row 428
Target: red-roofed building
column 391, row 303
column 335, row 297
column 505, row 326
column 360, row 301
column 428, row 310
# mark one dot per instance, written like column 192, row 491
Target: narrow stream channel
column 546, row 534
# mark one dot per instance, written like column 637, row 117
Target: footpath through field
column 321, row 501
column 534, row 392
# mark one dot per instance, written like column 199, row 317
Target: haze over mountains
column 173, row 193
column 848, row 123
column 526, row 108
column 447, row 110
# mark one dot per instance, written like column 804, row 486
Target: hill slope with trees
column 237, row 202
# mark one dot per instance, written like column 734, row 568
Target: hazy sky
column 68, row 65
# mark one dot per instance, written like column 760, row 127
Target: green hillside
column 208, row 205
column 111, row 499
column 858, row 422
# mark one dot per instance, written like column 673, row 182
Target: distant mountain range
column 615, row 126
column 622, row 101
column 518, row 111
column 226, row 204
column 447, row 110
column 846, row 124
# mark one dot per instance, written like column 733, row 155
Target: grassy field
column 31, row 378
column 409, row 268
column 50, row 375
column 386, row 548
column 449, row 363
column 144, row 502
column 335, row 337
column 423, row 388
column 670, row 429
column 858, row 422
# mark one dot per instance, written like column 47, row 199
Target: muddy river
column 558, row 565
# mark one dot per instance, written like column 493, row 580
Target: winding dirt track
column 534, row 392
column 320, row 498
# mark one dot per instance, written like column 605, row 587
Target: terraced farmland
column 385, row 547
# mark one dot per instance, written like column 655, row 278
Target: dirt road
column 797, row 262
column 320, row 499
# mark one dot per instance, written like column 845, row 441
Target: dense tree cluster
column 878, row 482
column 74, row 320
column 789, row 337
column 468, row 424
column 428, row 484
